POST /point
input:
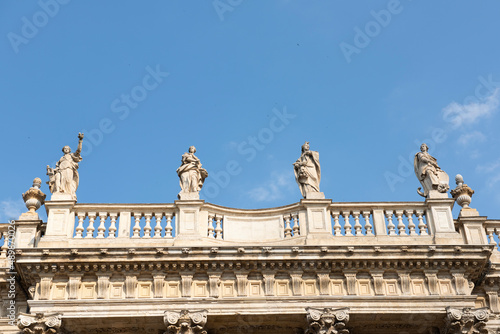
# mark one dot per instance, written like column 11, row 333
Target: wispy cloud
column 275, row 188
column 463, row 114
column 471, row 138
column 10, row 209
column 489, row 167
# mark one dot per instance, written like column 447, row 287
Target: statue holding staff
column 431, row 176
column 64, row 178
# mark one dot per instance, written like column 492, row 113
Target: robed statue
column 308, row 173
column 191, row 175
column 64, row 179
column 434, row 180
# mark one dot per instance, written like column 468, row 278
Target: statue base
column 468, row 212
column 316, row 195
column 188, row 196
column 62, row 197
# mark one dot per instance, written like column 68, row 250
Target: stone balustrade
column 308, row 222
column 492, row 228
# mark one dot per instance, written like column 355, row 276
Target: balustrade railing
column 492, row 228
column 370, row 219
column 215, row 226
column 104, row 221
column 291, row 225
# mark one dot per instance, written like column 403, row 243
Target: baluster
column 490, row 231
column 218, row 227
column 390, row 226
column 158, row 217
column 147, row 227
column 401, row 225
column 101, row 229
column 90, row 228
column 357, row 226
column 79, row 228
column 337, row 229
column 497, row 232
column 296, row 227
column 421, row 225
column 288, row 229
column 137, row 225
column 210, row 227
column 411, row 224
column 168, row 228
column 347, row 225
column 112, row 227
column 368, row 226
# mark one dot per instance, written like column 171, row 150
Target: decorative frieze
column 327, row 321
column 185, row 322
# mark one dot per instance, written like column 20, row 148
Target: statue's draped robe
column 191, row 174
column 308, row 172
column 425, row 165
column 67, row 168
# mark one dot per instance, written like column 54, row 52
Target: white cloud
column 10, row 209
column 275, row 188
column 463, row 114
column 471, row 138
column 488, row 168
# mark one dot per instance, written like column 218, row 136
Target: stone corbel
column 186, row 282
column 158, row 280
column 327, row 321
column 491, row 288
column 296, row 283
column 378, row 283
column 130, row 286
column 405, row 282
column 102, row 285
column 466, row 321
column 40, row 323
column 269, row 284
column 432, row 283
column 45, row 286
column 74, row 282
column 214, row 283
column 185, row 322
column 241, row 284
column 350, row 283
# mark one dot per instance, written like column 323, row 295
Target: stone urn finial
column 34, row 197
column 462, row 193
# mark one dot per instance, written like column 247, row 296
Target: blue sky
column 247, row 82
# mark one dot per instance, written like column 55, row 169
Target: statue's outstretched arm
column 80, row 140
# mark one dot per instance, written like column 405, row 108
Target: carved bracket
column 327, row 321
column 185, row 322
column 466, row 321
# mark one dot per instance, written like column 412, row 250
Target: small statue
column 433, row 179
column 191, row 175
column 64, row 178
column 308, row 173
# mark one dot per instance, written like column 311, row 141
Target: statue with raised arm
column 308, row 173
column 431, row 176
column 64, row 179
column 191, row 175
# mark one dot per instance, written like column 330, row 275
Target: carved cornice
column 185, row 322
column 40, row 323
column 466, row 321
column 327, row 321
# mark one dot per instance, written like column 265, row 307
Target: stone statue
column 433, row 179
column 191, row 175
column 63, row 180
column 308, row 173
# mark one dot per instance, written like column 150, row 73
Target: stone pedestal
column 60, row 220
column 440, row 221
column 188, row 222
column 318, row 224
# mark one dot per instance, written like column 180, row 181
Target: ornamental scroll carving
column 466, row 321
column 185, row 322
column 327, row 321
column 40, row 323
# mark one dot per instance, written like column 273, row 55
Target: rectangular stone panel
column 252, row 228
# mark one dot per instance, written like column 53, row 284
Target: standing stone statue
column 433, row 179
column 64, row 179
column 191, row 175
column 308, row 173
